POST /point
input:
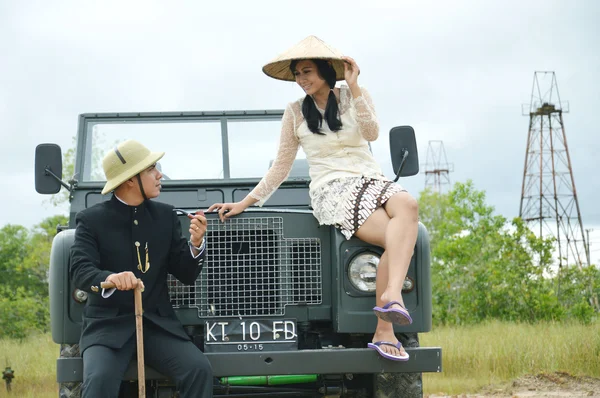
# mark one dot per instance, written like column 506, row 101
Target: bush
column 484, row 267
column 21, row 313
column 24, row 259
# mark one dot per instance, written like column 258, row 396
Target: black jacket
column 105, row 238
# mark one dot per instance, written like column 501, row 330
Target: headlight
column 408, row 285
column 362, row 271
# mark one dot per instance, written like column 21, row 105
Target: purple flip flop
column 399, row 316
column 377, row 346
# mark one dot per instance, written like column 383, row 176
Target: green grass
column 477, row 356
column 34, row 363
column 473, row 357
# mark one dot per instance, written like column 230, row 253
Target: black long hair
column 309, row 108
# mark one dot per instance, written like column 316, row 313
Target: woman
column 348, row 189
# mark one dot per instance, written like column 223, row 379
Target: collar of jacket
column 127, row 209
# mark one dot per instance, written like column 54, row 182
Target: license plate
column 237, row 335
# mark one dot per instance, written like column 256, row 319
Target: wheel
column 400, row 385
column 69, row 390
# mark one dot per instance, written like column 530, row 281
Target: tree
column 579, row 288
column 484, row 267
column 99, row 147
column 38, row 260
column 14, row 247
column 24, row 263
column 21, row 313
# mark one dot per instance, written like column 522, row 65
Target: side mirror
column 403, row 149
column 48, row 169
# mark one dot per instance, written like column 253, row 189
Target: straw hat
column 126, row 160
column 310, row 48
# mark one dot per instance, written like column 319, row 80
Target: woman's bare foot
column 392, row 309
column 387, row 297
column 389, row 337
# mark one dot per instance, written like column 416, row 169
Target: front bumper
column 323, row 361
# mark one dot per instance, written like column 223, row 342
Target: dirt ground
column 556, row 385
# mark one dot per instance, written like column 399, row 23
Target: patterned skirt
column 347, row 202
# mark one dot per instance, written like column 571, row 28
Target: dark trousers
column 181, row 361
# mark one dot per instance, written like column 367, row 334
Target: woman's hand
column 227, row 210
column 351, row 71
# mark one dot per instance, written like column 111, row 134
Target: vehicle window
column 253, row 146
column 193, row 150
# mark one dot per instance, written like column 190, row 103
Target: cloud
column 456, row 72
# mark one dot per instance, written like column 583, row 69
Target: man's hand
column 197, row 228
column 125, row 281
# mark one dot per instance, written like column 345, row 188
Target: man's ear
column 130, row 182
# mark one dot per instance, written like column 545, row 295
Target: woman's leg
column 373, row 232
column 400, row 238
column 394, row 228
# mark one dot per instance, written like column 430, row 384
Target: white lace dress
column 347, row 184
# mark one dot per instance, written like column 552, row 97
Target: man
column 127, row 238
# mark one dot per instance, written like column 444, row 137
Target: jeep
column 283, row 306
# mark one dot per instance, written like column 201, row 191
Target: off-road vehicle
column 283, row 306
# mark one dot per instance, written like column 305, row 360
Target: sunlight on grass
column 477, row 356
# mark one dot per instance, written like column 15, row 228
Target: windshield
column 228, row 146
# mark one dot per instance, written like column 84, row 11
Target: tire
column 69, row 390
column 400, row 385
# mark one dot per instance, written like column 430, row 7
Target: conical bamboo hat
column 310, row 48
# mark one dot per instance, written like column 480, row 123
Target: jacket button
column 135, row 222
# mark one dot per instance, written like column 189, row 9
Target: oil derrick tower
column 548, row 196
column 437, row 168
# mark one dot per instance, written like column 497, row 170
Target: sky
column 457, row 71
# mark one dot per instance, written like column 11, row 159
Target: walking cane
column 139, row 333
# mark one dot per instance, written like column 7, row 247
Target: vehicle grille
column 251, row 269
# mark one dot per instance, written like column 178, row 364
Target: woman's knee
column 402, row 203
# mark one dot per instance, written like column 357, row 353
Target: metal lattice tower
column 548, row 196
column 437, row 168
